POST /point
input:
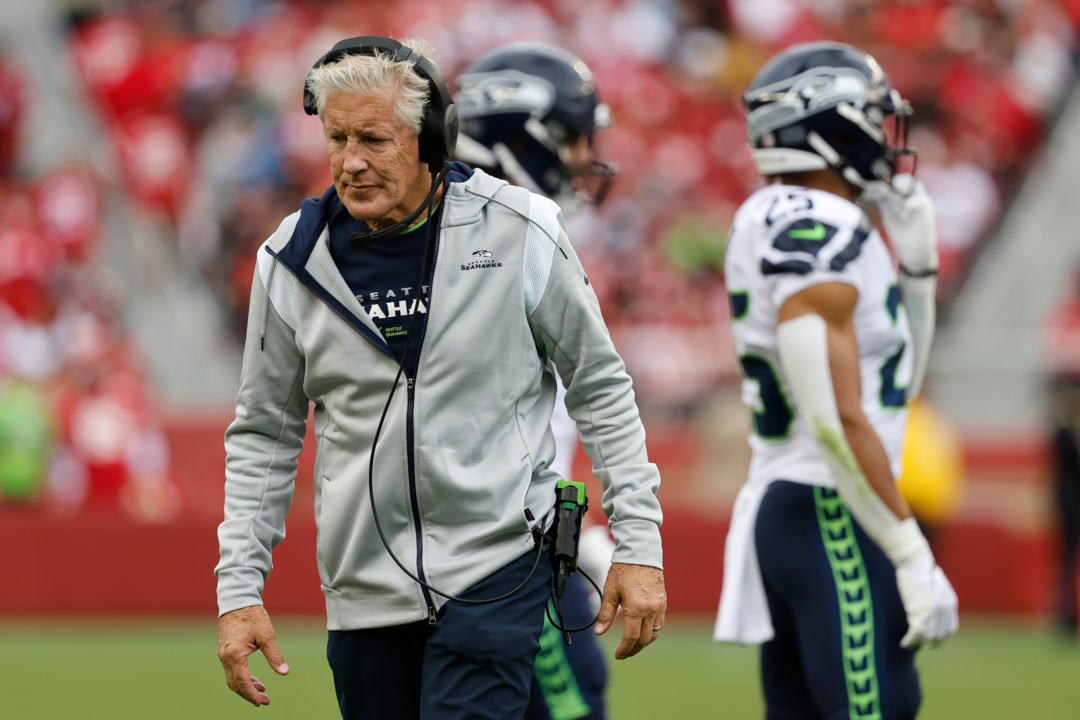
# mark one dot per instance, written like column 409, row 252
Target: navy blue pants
column 476, row 662
column 569, row 680
column 837, row 614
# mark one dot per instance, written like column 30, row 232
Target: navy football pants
column 569, row 680
column 837, row 614
column 476, row 662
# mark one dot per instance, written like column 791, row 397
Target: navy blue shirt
column 383, row 277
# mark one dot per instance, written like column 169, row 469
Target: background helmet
column 520, row 106
column 824, row 105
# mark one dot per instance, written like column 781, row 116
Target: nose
column 355, row 160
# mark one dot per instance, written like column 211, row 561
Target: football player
column 529, row 112
column 824, row 563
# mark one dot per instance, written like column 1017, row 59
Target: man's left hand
column 639, row 589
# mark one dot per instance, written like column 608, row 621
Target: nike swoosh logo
column 815, row 233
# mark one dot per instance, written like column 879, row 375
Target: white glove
column 908, row 215
column 929, row 601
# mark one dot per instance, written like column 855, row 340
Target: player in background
column 529, row 112
column 824, row 563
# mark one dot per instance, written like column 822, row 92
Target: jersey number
column 891, row 395
column 773, row 420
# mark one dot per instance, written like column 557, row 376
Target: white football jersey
column 785, row 239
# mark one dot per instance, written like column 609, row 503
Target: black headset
column 439, row 128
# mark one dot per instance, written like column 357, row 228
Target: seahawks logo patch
column 804, row 235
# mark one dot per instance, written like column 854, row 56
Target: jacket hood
column 471, row 190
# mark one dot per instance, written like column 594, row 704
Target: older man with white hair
column 417, row 304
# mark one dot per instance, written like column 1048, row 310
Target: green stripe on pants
column 556, row 678
column 856, row 607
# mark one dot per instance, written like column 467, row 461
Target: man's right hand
column 240, row 633
column 929, row 601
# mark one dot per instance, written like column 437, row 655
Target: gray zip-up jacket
column 462, row 461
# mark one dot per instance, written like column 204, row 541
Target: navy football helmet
column 524, row 107
column 824, row 105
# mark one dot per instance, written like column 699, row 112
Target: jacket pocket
column 327, row 521
column 526, row 457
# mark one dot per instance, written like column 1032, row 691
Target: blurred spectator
column 77, row 423
column 203, row 101
column 25, row 440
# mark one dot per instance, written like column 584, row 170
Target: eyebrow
column 363, row 129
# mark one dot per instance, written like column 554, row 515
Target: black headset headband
column 439, row 127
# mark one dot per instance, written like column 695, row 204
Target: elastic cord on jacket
column 518, row 212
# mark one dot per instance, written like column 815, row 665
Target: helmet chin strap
column 539, row 132
column 569, row 200
column 872, row 190
column 836, row 162
column 513, row 169
column 473, row 153
column 502, row 159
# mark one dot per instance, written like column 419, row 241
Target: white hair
column 371, row 75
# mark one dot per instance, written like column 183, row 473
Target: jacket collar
column 461, row 207
column 307, row 252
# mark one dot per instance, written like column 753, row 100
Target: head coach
column 417, row 304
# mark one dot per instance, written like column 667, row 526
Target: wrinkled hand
column 908, row 215
column 639, row 589
column 929, row 601
column 240, row 633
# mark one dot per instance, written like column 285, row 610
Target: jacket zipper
column 410, row 432
column 409, row 442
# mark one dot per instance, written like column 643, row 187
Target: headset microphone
column 358, row 239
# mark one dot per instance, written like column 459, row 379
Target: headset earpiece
column 438, row 134
column 439, row 128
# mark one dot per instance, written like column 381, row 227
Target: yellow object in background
column 932, row 477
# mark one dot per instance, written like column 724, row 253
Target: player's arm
column 262, row 446
column 908, row 215
column 819, row 354
column 834, row 304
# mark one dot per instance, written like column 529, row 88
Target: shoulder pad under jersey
column 805, row 230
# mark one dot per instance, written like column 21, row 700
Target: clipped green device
column 571, row 503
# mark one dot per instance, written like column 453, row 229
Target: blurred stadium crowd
column 200, row 102
column 77, row 418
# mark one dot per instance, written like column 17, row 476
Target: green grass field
column 138, row 670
